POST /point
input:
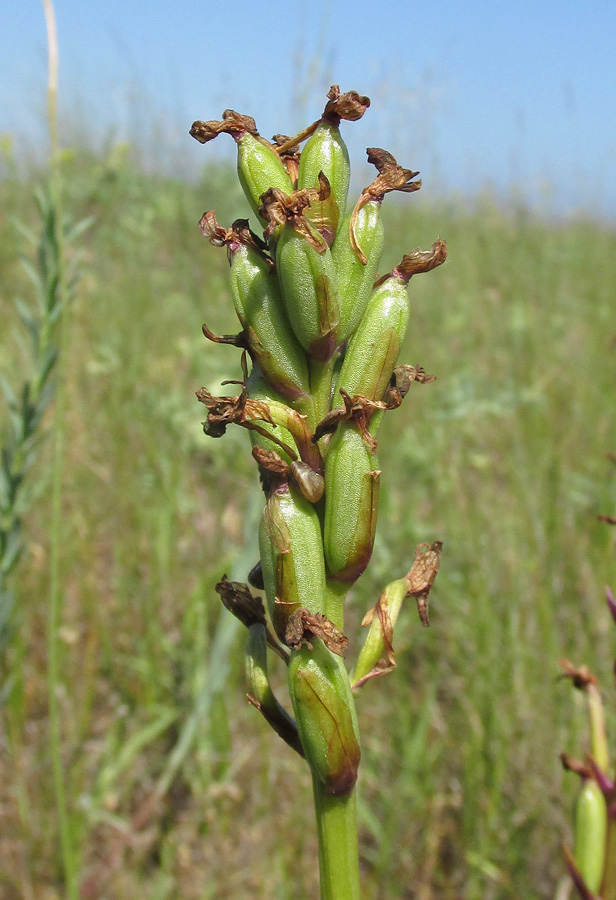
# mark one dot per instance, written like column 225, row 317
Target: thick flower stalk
column 320, row 340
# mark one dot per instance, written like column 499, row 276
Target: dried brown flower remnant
column 302, row 625
column 421, row 577
column 232, row 123
column 349, row 106
column 399, row 385
column 237, row 598
column 581, row 676
column 421, row 261
column 391, row 177
column 279, row 208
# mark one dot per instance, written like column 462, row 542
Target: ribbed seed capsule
column 355, row 280
column 308, row 282
column 259, row 306
column 258, row 165
column 326, row 152
column 373, row 350
column 351, row 504
column 590, row 834
column 291, row 549
column 259, row 168
column 325, row 716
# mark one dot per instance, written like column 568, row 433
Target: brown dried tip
column 581, row 676
column 391, row 177
column 421, row 261
column 278, row 208
column 422, row 575
column 288, row 151
column 232, row 238
column 570, row 764
column 302, row 625
column 349, row 106
column 359, row 409
column 237, row 598
column 232, row 123
column 271, row 462
column 400, row 382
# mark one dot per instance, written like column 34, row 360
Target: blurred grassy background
column 176, row 787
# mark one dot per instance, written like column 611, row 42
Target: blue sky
column 519, row 97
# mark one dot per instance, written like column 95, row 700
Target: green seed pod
column 351, row 504
column 355, row 280
column 308, row 281
column 590, row 834
column 258, row 165
column 326, row 152
column 260, row 693
column 259, row 306
column 325, row 715
column 291, row 549
column 259, row 168
column 373, row 350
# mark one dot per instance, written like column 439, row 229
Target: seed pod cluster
column 323, row 340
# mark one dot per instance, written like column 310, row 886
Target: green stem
column 69, row 859
column 338, row 847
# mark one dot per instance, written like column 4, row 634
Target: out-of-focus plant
column 323, row 341
column 592, row 863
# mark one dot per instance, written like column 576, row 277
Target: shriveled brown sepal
column 421, row 261
column 349, row 106
column 570, row 764
column 232, row 123
column 391, row 177
column 279, row 208
column 237, row 598
column 238, row 410
column 248, row 609
column 239, row 234
column 581, row 676
column 401, row 380
column 303, row 625
column 359, row 409
column 288, row 150
column 422, row 575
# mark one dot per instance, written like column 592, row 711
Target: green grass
column 503, row 458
